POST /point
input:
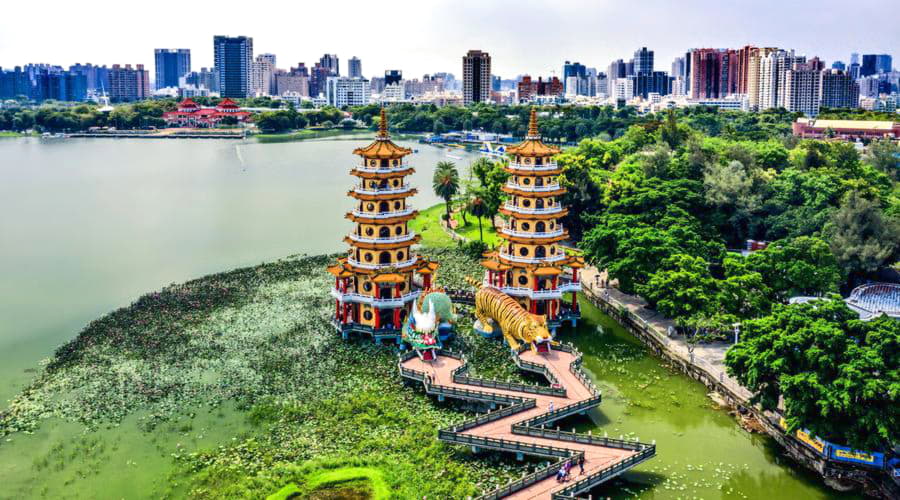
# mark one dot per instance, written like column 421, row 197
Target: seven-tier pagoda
column 378, row 280
column 530, row 264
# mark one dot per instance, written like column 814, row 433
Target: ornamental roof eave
column 382, row 148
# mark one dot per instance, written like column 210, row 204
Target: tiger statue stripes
column 517, row 325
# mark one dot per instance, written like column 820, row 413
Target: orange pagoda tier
column 530, row 264
column 377, row 282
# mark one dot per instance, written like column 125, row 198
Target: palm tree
column 478, row 207
column 446, row 183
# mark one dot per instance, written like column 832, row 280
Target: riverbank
column 306, row 134
column 705, row 363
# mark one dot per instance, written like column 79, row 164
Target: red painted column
column 377, row 318
column 337, row 309
column 574, row 275
column 397, row 318
column 426, row 280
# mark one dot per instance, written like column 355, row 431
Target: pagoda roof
column 427, row 266
column 382, row 147
column 388, row 278
column 575, row 262
column 495, row 265
column 188, row 103
column 341, row 269
column 547, row 271
column 532, row 145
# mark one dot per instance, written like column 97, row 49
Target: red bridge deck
column 519, row 425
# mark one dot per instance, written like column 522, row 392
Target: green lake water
column 87, row 226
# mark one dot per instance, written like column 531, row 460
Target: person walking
column 550, row 408
column 581, row 464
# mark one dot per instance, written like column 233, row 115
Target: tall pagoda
column 377, row 282
column 530, row 264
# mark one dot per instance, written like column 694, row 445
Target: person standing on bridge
column 550, row 408
column 581, row 464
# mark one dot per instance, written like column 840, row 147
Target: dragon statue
column 431, row 311
column 495, row 308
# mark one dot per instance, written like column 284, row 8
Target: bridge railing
column 575, row 437
column 504, row 444
column 569, row 492
column 559, row 413
column 494, row 415
column 526, row 481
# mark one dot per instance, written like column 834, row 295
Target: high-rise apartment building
column 128, row 84
column 354, row 67
column 344, row 91
column 262, row 75
column 706, row 74
column 295, row 80
column 839, row 65
column 528, row 89
column 873, row 64
column 233, row 63
column 575, row 78
column 476, row 77
column 643, row 61
column 766, row 80
column 171, row 65
column 839, row 90
column 331, row 62
column 655, row 82
column 802, row 87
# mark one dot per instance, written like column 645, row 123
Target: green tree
column 884, row 154
column 838, row 376
column 862, row 237
column 446, row 183
column 478, row 208
column 682, row 287
column 797, row 266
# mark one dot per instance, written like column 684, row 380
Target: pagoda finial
column 383, row 125
column 533, row 125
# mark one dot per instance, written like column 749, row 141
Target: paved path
column 709, row 357
column 558, row 363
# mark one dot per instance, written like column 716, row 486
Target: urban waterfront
column 92, row 224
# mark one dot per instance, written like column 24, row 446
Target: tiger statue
column 517, row 325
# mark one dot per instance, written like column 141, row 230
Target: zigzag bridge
column 520, row 424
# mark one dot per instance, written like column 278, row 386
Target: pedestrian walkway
column 708, row 357
column 522, row 425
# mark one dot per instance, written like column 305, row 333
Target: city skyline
column 526, row 40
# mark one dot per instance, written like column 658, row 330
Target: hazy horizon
column 524, row 37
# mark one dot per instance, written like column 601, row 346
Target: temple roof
column 187, row 103
column 532, row 145
column 227, row 103
column 427, row 266
column 382, row 148
column 547, row 271
column 495, row 265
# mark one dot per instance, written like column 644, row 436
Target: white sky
column 426, row 36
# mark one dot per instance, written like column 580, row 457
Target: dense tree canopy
column 838, row 376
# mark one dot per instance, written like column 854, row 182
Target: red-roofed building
column 191, row 114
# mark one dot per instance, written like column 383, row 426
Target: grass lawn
column 433, row 235
column 470, row 230
column 428, row 225
column 10, row 133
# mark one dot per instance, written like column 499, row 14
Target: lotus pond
column 234, row 385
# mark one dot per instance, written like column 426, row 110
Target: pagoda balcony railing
column 559, row 231
column 396, row 239
column 362, row 265
column 383, row 215
column 533, row 189
column 533, row 168
column 518, row 291
column 567, row 285
column 382, row 170
column 389, row 303
column 563, row 286
column 397, row 190
column 532, row 260
column 556, row 208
